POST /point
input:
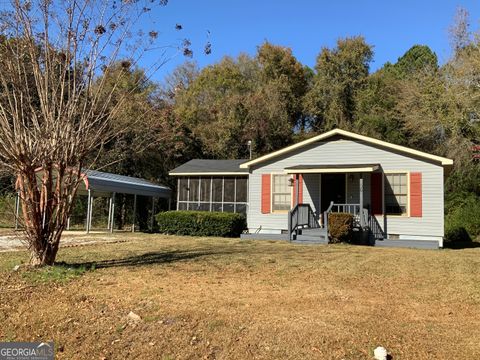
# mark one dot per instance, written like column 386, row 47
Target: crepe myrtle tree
column 55, row 105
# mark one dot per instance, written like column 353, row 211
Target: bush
column 201, row 223
column 463, row 213
column 457, row 235
column 340, row 227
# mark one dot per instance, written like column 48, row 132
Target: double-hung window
column 281, row 192
column 396, row 193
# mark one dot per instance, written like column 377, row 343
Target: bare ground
column 11, row 240
column 209, row 298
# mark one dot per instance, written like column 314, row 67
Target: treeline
column 273, row 100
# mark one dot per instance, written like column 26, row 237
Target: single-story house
column 395, row 193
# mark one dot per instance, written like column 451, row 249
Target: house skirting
column 404, row 243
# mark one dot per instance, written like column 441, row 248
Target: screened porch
column 213, row 193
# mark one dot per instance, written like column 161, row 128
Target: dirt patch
column 14, row 241
column 231, row 299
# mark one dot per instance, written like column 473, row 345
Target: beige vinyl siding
column 343, row 151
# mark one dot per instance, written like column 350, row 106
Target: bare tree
column 460, row 35
column 54, row 102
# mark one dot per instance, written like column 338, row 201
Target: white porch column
column 297, row 188
column 361, row 200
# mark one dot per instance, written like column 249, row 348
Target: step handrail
column 325, row 216
column 301, row 215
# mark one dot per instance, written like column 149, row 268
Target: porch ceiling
column 329, row 168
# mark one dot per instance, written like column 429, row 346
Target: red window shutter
column 376, row 193
column 416, row 194
column 266, row 191
column 299, row 178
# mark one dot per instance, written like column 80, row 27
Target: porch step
column 314, row 232
column 312, row 236
column 304, row 239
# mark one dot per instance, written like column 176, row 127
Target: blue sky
column 306, row 26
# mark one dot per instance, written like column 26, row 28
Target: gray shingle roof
column 210, row 167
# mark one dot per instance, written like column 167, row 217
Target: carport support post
column 17, row 209
column 112, row 216
column 109, row 212
column 153, row 213
column 361, row 200
column 134, row 211
column 89, row 210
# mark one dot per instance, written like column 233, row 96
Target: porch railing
column 301, row 215
column 361, row 218
column 353, row 209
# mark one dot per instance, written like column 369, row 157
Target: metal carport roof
column 106, row 183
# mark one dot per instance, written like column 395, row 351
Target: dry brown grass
column 229, row 299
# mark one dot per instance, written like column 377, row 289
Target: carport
column 108, row 185
column 102, row 184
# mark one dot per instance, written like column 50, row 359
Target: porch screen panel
column 228, row 207
column 241, row 190
column 217, row 194
column 205, row 189
column 281, row 193
column 396, row 194
column 183, row 190
column 182, row 206
column 193, row 189
column 217, row 207
column 229, row 194
column 241, row 208
column 182, row 193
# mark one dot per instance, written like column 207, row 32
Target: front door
column 333, row 189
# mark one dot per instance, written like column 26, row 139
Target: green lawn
column 211, row 298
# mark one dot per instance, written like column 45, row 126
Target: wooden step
column 314, row 232
column 307, row 239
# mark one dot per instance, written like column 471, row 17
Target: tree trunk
column 44, row 256
column 46, row 196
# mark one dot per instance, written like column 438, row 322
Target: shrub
column 201, row 223
column 340, row 227
column 463, row 213
column 457, row 235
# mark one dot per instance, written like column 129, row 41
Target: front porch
column 341, row 189
column 318, row 190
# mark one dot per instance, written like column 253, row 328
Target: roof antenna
column 249, row 144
